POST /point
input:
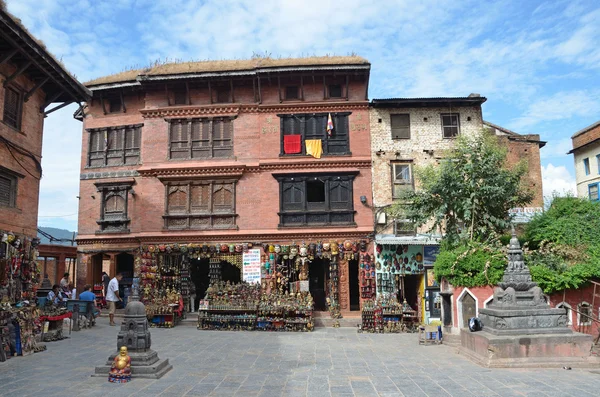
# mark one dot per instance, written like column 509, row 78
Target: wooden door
column 468, row 309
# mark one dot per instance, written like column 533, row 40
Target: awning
column 420, row 239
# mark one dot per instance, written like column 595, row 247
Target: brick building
column 32, row 80
column 410, row 132
column 218, row 156
column 586, row 154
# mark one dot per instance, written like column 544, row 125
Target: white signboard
column 251, row 266
column 524, row 214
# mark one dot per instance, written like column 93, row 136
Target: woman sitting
column 55, row 297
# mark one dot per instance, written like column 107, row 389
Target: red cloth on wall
column 292, row 144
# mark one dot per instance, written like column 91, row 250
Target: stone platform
column 145, row 365
column 528, row 351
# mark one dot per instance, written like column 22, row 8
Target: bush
column 471, row 265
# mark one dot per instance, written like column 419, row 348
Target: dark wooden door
column 468, row 309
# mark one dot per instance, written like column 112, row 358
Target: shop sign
column 524, row 214
column 430, row 253
column 251, row 266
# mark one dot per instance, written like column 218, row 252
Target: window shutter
column 338, row 143
column 177, row 199
column 223, row 198
column 12, row 107
column 340, row 195
column 200, row 198
column 5, row 191
column 400, row 124
column 293, row 196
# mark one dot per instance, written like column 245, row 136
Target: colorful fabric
column 314, row 148
column 329, row 125
column 292, row 144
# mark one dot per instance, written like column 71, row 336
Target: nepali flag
column 329, row 125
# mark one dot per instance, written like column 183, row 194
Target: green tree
column 473, row 186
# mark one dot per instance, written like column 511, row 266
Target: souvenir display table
column 54, row 317
column 249, row 307
column 386, row 315
column 231, row 307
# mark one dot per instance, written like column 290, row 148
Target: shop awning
column 420, row 239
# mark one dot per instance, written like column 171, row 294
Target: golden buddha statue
column 120, row 371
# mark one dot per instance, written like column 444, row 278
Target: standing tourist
column 112, row 297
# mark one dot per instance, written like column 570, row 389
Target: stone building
column 586, row 153
column 32, row 80
column 222, row 154
column 411, row 132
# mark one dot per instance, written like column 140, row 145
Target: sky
column 537, row 62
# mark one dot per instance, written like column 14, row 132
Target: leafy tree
column 472, row 186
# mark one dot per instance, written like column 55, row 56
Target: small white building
column 586, row 152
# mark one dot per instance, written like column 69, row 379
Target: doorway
column 125, row 267
column 412, row 286
column 467, row 308
column 97, row 269
column 354, row 285
column 230, row 272
column 316, row 285
column 200, row 278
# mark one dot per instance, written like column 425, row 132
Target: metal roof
column 471, row 100
column 420, row 239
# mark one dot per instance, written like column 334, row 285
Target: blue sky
column 537, row 62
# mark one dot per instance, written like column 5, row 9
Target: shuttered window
column 200, row 205
column 201, row 138
column 314, row 126
column 316, row 200
column 8, row 189
column 115, row 146
column 400, row 124
column 13, row 106
column 450, row 125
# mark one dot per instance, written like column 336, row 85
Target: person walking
column 112, row 297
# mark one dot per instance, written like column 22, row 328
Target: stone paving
column 327, row 362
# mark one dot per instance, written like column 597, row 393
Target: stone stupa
column 135, row 335
column 520, row 328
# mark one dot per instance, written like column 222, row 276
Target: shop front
column 178, row 278
column 401, row 279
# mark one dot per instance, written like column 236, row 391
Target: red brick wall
column 23, row 218
column 522, row 149
column 256, row 140
column 586, row 137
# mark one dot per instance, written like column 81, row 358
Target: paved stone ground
column 327, row 362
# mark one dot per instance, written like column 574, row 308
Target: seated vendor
column 55, row 296
column 88, row 295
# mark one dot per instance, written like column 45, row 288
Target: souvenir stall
column 19, row 278
column 394, row 283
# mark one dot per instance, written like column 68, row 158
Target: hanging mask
column 232, row 248
column 277, row 249
column 238, row 248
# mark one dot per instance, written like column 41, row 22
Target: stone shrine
column 135, row 335
column 520, row 329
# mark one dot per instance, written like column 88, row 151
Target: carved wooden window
column 335, row 91
column 113, row 207
column 450, row 125
column 316, row 200
column 180, row 97
column 114, row 146
column 200, row 205
column 314, row 126
column 223, row 95
column 291, row 92
column 8, row 188
column 201, row 138
column 13, row 107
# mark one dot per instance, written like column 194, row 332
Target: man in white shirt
column 112, row 296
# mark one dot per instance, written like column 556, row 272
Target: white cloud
column 557, row 180
column 559, row 106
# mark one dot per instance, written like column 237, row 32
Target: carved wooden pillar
column 343, row 286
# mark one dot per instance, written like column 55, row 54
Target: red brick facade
column 255, row 163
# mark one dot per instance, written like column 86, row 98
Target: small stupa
column 135, row 335
column 520, row 329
